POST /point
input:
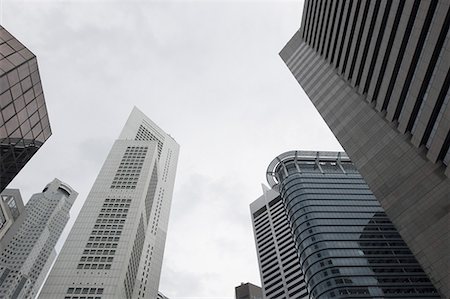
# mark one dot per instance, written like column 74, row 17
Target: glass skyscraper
column 116, row 246
column 24, row 124
column 346, row 245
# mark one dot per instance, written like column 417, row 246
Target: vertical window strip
column 358, row 40
column 415, row 61
column 387, row 53
column 335, row 16
column 443, row 41
column 352, row 33
column 338, row 29
column 316, row 25
column 446, row 158
column 344, row 34
column 438, row 119
column 313, row 22
column 416, row 110
column 401, row 53
column 327, row 26
column 368, row 41
column 305, row 17
column 436, row 110
column 308, row 20
column 325, row 5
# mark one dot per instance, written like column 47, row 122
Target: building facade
column 24, row 124
column 378, row 73
column 115, row 248
column 346, row 245
column 11, row 214
column 279, row 264
column 27, row 256
column 248, row 291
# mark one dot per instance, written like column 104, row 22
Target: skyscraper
column 279, row 264
column 346, row 245
column 116, row 245
column 29, row 252
column 24, row 124
column 248, row 291
column 11, row 213
column 378, row 73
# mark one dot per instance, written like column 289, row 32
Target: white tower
column 28, row 254
column 116, row 245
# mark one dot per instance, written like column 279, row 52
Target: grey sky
column 209, row 74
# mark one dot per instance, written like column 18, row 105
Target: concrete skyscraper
column 115, row 248
column 379, row 74
column 24, row 124
column 346, row 245
column 279, row 264
column 28, row 250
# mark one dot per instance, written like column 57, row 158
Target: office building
column 248, row 291
column 27, row 257
column 279, row 264
column 115, row 248
column 24, row 124
column 378, row 73
column 345, row 243
column 11, row 213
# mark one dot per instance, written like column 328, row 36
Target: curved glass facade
column 348, row 247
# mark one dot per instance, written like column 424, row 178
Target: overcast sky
column 209, row 74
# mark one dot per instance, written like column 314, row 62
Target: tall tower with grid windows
column 115, row 248
column 378, row 72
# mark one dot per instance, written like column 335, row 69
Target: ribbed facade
column 24, row 123
column 116, row 246
column 279, row 264
column 378, row 73
column 347, row 246
column 27, row 254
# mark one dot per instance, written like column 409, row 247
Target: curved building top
column 302, row 157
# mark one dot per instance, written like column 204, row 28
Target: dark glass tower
column 24, row 124
column 347, row 246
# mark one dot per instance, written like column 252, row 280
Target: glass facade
column 348, row 248
column 24, row 123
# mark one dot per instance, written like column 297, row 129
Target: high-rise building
column 11, row 214
column 378, row 73
column 115, row 248
column 248, row 291
column 27, row 257
column 345, row 243
column 24, row 124
column 279, row 264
